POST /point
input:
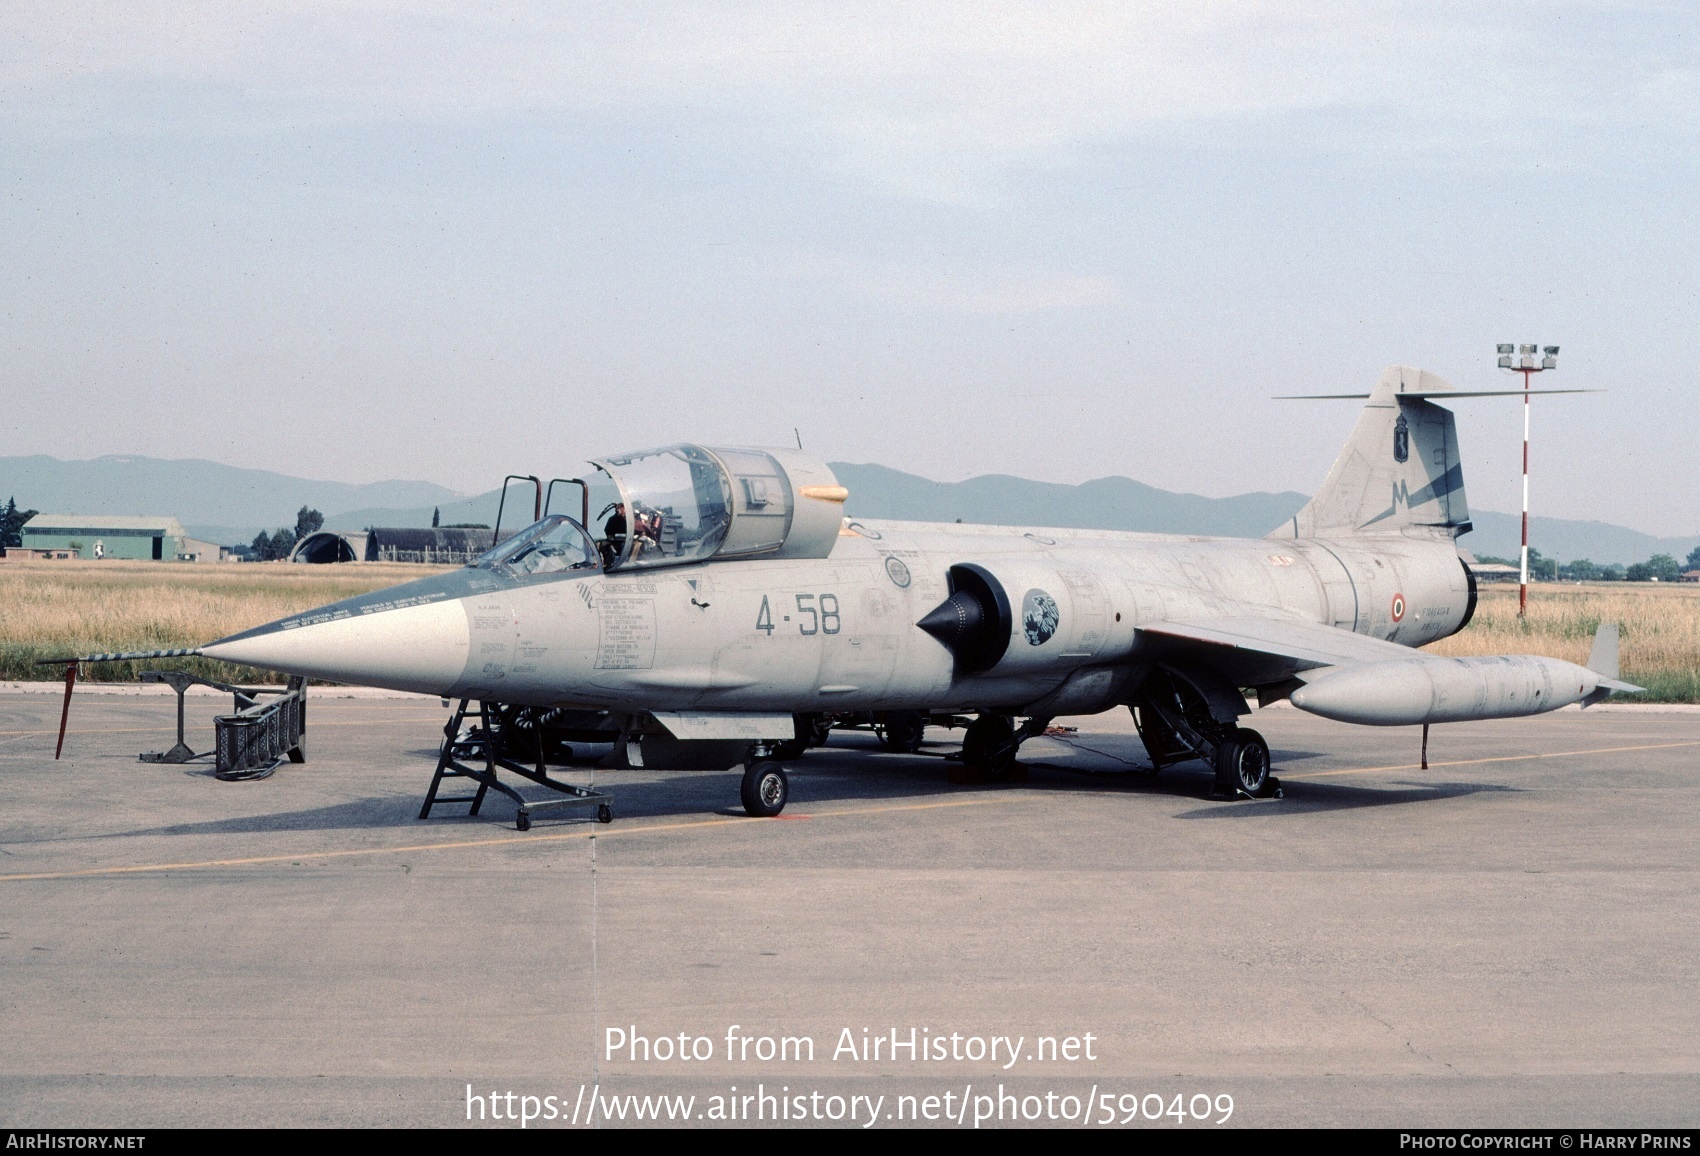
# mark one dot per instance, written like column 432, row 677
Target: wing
column 1262, row 650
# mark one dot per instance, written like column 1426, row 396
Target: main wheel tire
column 1243, row 762
column 764, row 789
column 804, row 728
column 989, row 747
column 902, row 731
column 820, row 728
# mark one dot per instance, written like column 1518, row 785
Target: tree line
column 277, row 545
column 1660, row 567
column 12, row 522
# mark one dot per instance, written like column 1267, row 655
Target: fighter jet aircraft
column 725, row 596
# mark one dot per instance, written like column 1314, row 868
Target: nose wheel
column 764, row 789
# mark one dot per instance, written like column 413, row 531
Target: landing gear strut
column 989, row 748
column 1180, row 719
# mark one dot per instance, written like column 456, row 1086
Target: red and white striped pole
column 1523, row 575
column 1524, row 363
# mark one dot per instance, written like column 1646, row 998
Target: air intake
column 974, row 622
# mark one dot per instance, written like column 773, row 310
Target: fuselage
column 839, row 633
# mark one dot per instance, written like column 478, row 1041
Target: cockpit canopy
column 689, row 503
column 555, row 543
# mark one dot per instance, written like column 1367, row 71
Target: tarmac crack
column 1410, row 1045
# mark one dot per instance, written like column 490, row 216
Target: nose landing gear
column 764, row 789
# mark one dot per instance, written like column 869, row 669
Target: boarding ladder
column 464, row 747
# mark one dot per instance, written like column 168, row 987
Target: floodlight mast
column 1524, row 358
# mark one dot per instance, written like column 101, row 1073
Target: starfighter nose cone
column 412, row 637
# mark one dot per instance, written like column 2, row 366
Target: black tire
column 989, row 747
column 820, row 729
column 902, row 731
column 792, row 748
column 522, row 821
column 1243, row 764
column 764, row 789
column 298, row 753
column 604, row 814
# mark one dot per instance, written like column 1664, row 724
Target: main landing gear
column 901, row 731
column 1242, row 766
column 1187, row 715
column 989, row 748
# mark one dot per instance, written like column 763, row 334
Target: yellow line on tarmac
column 603, row 832
column 1495, row 759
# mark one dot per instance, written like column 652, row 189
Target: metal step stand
column 480, row 743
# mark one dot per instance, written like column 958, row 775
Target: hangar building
column 447, row 545
column 116, row 536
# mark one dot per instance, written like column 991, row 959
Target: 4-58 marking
column 816, row 614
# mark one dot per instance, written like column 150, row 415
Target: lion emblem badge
column 1039, row 617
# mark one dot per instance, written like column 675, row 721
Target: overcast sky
column 451, row 241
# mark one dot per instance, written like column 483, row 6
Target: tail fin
column 1399, row 469
column 1602, row 659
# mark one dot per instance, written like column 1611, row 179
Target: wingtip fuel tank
column 1404, row 692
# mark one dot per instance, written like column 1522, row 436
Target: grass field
column 54, row 609
column 1659, row 628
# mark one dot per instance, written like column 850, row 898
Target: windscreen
column 554, row 544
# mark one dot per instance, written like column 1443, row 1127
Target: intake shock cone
column 974, row 622
column 956, row 622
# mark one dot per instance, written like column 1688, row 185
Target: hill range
column 230, row 504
